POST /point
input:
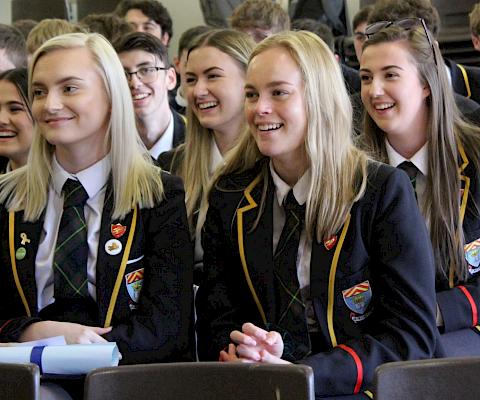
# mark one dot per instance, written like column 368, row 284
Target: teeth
column 269, row 127
column 384, row 106
column 140, row 96
column 7, row 134
column 203, row 106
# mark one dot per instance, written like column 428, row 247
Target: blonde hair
column 47, row 29
column 445, row 131
column 474, row 18
column 338, row 170
column 135, row 179
column 194, row 167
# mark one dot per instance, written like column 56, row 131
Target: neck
column 225, row 139
column 76, row 161
column 152, row 127
column 18, row 162
column 290, row 170
column 407, row 147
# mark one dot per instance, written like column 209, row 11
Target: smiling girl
column 310, row 254
column 414, row 124
column 16, row 121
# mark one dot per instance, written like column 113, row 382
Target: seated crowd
column 322, row 215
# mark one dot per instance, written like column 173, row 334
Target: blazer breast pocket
column 133, row 280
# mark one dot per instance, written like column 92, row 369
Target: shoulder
column 178, row 118
column 239, row 181
column 170, row 160
column 172, row 185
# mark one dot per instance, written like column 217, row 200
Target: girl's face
column 392, row 91
column 214, row 89
column 70, row 103
column 16, row 125
column 275, row 106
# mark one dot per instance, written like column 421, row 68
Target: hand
column 73, row 333
column 257, row 344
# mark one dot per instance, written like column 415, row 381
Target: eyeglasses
column 404, row 23
column 145, row 74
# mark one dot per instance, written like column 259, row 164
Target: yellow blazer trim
column 121, row 271
column 13, row 261
column 368, row 393
column 251, row 205
column 465, row 79
column 331, row 281
column 463, row 204
column 477, row 327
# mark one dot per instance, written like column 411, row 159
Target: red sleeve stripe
column 5, row 324
column 359, row 365
column 472, row 304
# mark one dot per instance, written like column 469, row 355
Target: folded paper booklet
column 58, row 359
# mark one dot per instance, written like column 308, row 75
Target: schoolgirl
column 94, row 238
column 313, row 253
column 414, row 124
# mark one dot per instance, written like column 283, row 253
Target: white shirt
column 94, row 180
column 304, row 255
column 420, row 160
column 165, row 143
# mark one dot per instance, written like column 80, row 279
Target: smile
column 140, row 96
column 384, row 106
column 210, row 104
column 269, row 127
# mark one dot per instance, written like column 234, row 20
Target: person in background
column 148, row 16
column 259, row 18
column 99, row 237
column 109, row 25
column 359, row 23
column 177, row 97
column 24, row 26
column 474, row 18
column 413, row 124
column 13, row 53
column 47, row 29
column 314, row 254
column 150, row 77
column 16, row 121
column 215, row 75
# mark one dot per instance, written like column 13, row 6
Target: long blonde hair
column 338, row 170
column 135, row 179
column 445, row 132
column 195, row 165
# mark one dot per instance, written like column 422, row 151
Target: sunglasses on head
column 404, row 23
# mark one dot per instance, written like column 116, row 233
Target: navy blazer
column 179, row 126
column 465, row 79
column 152, row 324
column 459, row 301
column 383, row 247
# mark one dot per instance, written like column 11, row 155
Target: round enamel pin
column 20, row 253
column 113, row 247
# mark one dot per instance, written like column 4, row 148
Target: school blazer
column 459, row 301
column 382, row 252
column 150, row 302
column 465, row 79
column 179, row 126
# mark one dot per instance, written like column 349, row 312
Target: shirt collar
column 93, row 178
column 419, row 159
column 300, row 189
column 215, row 156
column 165, row 142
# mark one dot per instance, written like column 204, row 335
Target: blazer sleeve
column 403, row 275
column 162, row 327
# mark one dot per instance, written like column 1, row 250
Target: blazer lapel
column 111, row 246
column 26, row 239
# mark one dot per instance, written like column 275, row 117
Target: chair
column 439, row 379
column 19, row 381
column 40, row 9
column 201, row 381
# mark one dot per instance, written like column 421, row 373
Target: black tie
column 291, row 320
column 411, row 170
column 71, row 251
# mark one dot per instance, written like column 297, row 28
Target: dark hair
column 19, row 78
column 152, row 9
column 187, row 37
column 24, row 26
column 12, row 40
column 392, row 10
column 263, row 14
column 143, row 41
column 320, row 29
column 109, row 25
column 361, row 16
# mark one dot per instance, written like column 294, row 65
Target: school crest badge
column 357, row 298
column 472, row 255
column 134, row 282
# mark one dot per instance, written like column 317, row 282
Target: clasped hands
column 254, row 344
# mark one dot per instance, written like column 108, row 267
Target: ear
column 426, row 91
column 476, row 42
column 171, row 78
column 165, row 39
column 176, row 63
